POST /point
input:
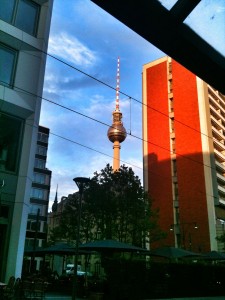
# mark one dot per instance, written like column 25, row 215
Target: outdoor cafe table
column 2, row 285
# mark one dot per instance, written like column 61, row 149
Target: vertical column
column 116, row 158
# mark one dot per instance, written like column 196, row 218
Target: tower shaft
column 116, row 155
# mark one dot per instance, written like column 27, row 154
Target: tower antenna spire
column 118, row 85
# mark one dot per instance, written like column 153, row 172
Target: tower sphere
column 117, row 133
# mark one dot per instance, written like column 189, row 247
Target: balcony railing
column 221, row 189
column 218, row 132
column 219, row 155
column 221, row 177
column 220, row 125
column 218, row 145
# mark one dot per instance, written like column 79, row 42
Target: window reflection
column 30, row 10
column 21, row 13
column 39, row 193
column 39, row 163
column 7, row 62
column 41, row 150
column 10, row 136
column 34, row 209
column 42, row 137
column 33, row 225
column 41, row 178
column 6, row 11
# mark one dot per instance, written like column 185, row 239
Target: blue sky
column 90, row 40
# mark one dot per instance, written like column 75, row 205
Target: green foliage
column 221, row 239
column 114, row 206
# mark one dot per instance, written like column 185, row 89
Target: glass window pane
column 37, row 193
column 7, row 63
column 168, row 4
column 4, row 211
column 39, row 163
column 27, row 16
column 33, row 225
column 39, row 178
column 6, row 11
column 34, row 209
column 42, row 137
column 207, row 20
column 10, row 137
column 41, row 150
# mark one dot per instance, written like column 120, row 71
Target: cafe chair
column 8, row 289
column 27, row 289
column 39, row 289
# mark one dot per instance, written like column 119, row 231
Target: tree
column 114, row 206
column 221, row 239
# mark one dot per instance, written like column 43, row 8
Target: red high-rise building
column 184, row 154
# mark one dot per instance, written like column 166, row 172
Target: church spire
column 55, row 204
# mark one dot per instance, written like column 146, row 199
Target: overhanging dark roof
column 165, row 30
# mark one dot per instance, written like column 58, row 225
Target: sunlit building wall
column 24, row 32
column 184, row 154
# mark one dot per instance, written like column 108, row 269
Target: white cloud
column 93, row 48
column 71, row 49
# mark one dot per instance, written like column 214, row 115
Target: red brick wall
column 190, row 172
column 159, row 180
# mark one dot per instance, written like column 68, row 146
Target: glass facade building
column 24, row 32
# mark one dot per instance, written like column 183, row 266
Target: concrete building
column 36, row 233
column 24, row 32
column 184, row 154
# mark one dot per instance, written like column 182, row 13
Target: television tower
column 117, row 133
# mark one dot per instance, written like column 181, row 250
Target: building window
column 42, row 137
column 173, row 142
column 31, row 11
column 4, row 211
column 41, row 178
column 39, row 193
column 33, row 225
column 170, row 86
column 174, row 164
column 39, row 163
column 34, row 209
column 175, row 187
column 30, row 242
column 10, row 141
column 171, row 124
column 41, row 150
column 13, row 12
column 8, row 58
column 170, row 67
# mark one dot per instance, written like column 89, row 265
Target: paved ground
column 193, row 298
column 55, row 296
column 59, row 296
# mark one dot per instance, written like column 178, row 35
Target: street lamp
column 80, row 182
